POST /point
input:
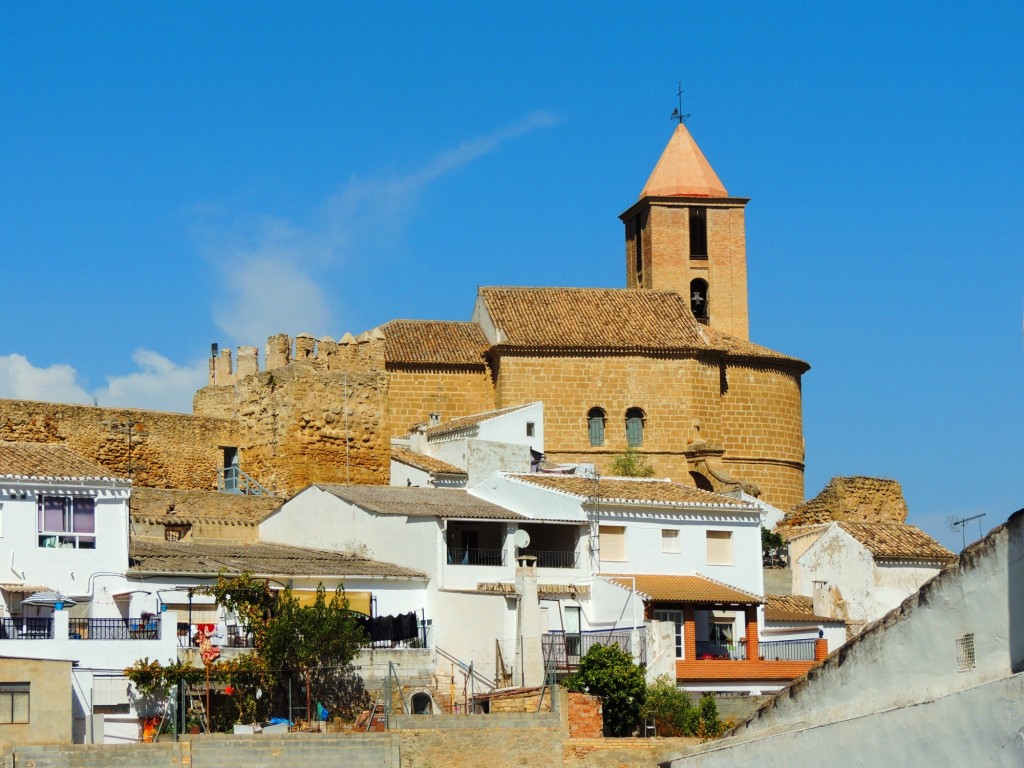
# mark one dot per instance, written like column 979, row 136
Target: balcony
column 564, row 651
column 476, row 556
column 143, row 628
column 15, row 628
column 779, row 660
column 552, row 558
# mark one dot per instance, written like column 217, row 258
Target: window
column 720, row 631
column 612, row 541
column 529, row 429
column 701, row 481
column 698, row 233
column 965, row 660
column 67, row 522
column 595, row 425
column 176, row 532
column 635, row 427
column 719, row 547
column 670, row 541
column 676, row 617
column 14, row 702
column 699, row 298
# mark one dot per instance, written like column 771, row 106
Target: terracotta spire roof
column 683, row 171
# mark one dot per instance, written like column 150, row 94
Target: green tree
column 630, row 464
column 670, row 708
column 303, row 638
column 609, row 672
column 773, row 549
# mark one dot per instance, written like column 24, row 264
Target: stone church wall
column 414, row 393
column 154, row 448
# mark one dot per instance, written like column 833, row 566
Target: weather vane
column 677, row 113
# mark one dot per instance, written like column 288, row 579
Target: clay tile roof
column 426, row 463
column 419, row 502
column 505, row 588
column 434, row 341
column 180, row 558
column 683, row 171
column 896, row 542
column 464, row 422
column 743, row 348
column 50, row 460
column 666, row 588
column 635, row 490
column 853, row 499
column 163, row 506
column 792, row 608
column 604, row 318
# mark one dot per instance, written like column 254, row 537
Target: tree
column 609, row 672
column 773, row 549
column 630, row 464
column 670, row 708
column 304, row 638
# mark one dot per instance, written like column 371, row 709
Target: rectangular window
column 67, row 522
column 719, row 547
column 676, row 617
column 14, row 702
column 698, row 233
column 529, row 429
column 670, row 541
column 612, row 540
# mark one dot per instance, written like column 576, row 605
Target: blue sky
column 178, row 174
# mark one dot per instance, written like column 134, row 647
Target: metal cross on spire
column 677, row 113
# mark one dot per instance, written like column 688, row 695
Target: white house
column 858, row 572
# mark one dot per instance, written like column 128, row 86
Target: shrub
column 609, row 672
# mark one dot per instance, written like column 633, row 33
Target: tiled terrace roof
column 426, row 463
column 434, row 341
column 792, row 608
column 190, row 558
column 464, row 422
column 166, row 507
column 419, row 502
column 625, row 490
column 665, row 588
column 47, row 460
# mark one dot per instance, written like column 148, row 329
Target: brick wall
column 158, row 449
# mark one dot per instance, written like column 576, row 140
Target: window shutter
column 719, row 547
column 612, row 540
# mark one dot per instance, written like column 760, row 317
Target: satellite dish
column 521, row 538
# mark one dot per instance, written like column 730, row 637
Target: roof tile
column 434, row 342
column 673, row 588
column 47, row 460
column 426, row 463
column 163, row 506
column 627, row 490
column 419, row 502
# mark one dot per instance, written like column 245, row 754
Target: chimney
column 434, row 420
column 821, row 602
column 529, row 658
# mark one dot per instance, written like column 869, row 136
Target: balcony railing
column 773, row 650
column 475, row 556
column 552, row 558
column 564, row 650
column 786, row 650
column 114, row 629
column 712, row 650
column 13, row 628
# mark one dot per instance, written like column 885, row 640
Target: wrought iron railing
column 476, row 556
column 145, row 628
column 786, row 650
column 552, row 558
column 35, row 628
column 713, row 650
column 238, row 637
column 234, row 480
column 565, row 649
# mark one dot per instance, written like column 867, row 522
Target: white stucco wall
column 900, row 690
column 404, row 475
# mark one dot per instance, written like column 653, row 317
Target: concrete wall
column 905, row 681
column 49, row 701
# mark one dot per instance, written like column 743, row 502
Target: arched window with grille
column 595, row 425
column 635, row 418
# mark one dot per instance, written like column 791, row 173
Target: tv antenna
column 677, row 113
column 953, row 523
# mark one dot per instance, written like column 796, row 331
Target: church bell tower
column 685, row 234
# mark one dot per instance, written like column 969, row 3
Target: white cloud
column 20, row 380
column 270, row 274
column 158, row 385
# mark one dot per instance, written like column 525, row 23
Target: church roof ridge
column 683, row 171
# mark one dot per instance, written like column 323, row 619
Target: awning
column 48, row 598
column 17, row 589
column 695, row 590
column 358, row 602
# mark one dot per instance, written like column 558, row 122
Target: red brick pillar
column 750, row 613
column 820, row 649
column 689, row 634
